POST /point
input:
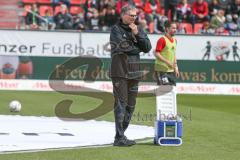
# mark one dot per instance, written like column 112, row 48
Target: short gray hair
column 127, row 8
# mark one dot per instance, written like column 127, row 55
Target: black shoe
column 131, row 141
column 123, row 142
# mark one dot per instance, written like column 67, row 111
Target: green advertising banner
column 191, row 71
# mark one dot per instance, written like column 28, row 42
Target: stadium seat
column 77, row 2
column 138, row 2
column 44, row 1
column 197, row 27
column 29, row 1
column 43, row 8
column 57, row 9
column 159, row 8
column 75, row 10
column 151, row 27
column 187, row 27
column 162, row 11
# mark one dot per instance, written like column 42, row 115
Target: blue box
column 168, row 132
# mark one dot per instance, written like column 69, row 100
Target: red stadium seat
column 197, row 27
column 159, row 8
column 43, row 8
column 29, row 1
column 77, row 2
column 162, row 11
column 151, row 27
column 187, row 27
column 57, row 9
column 76, row 10
column 44, row 1
column 138, row 2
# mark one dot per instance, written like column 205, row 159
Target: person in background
column 171, row 5
column 213, row 7
column 121, row 3
column 49, row 21
column 110, row 18
column 166, row 68
column 217, row 22
column 32, row 19
column 199, row 11
column 183, row 11
column 231, row 26
column 79, row 22
column 63, row 19
column 59, row 2
column 93, row 20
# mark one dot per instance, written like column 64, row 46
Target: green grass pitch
column 211, row 128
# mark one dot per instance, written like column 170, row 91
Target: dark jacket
column 30, row 18
column 125, row 49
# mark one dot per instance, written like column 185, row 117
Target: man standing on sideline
column 166, row 68
column 127, row 41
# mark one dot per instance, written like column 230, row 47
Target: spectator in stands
column 171, row 5
column 89, row 6
column 213, row 7
column 93, row 19
column 63, row 19
column 103, row 5
column 79, row 22
column 32, row 19
column 183, row 11
column 55, row 3
column 66, row 2
column 159, row 21
column 49, row 21
column 149, row 6
column 234, row 10
column 224, row 4
column 206, row 29
column 230, row 25
column 180, row 28
column 158, row 9
column 238, row 23
column 217, row 22
column 143, row 19
column 110, row 18
column 199, row 11
column 122, row 3
column 58, row 2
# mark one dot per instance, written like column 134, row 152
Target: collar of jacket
column 124, row 26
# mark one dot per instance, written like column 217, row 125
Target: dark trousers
column 125, row 93
column 168, row 5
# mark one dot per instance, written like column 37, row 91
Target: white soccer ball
column 15, row 106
